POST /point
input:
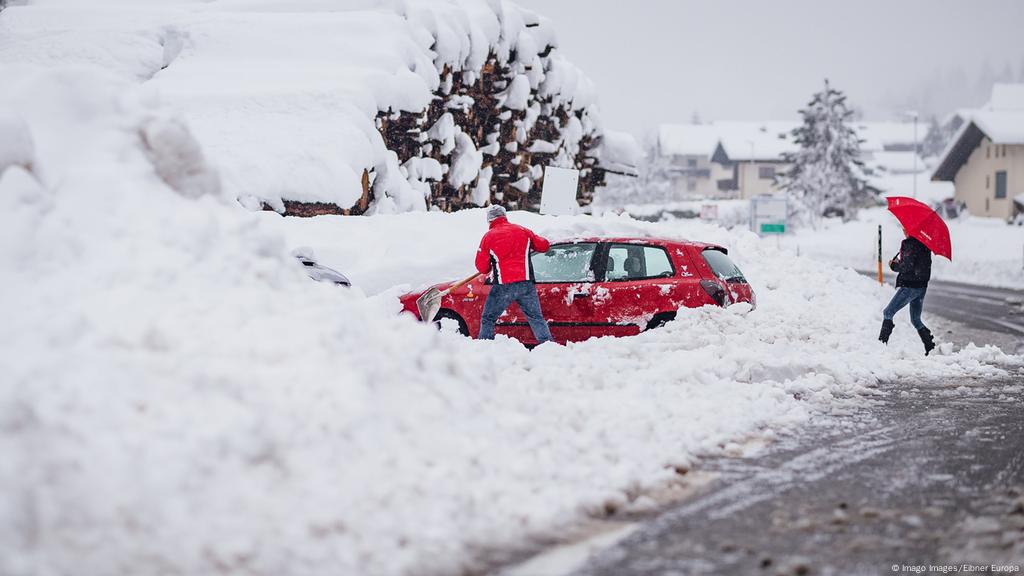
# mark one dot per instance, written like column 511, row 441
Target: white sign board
column 768, row 215
column 709, row 212
column 558, row 196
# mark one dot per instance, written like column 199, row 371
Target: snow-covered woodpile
column 491, row 128
column 488, row 134
column 309, row 107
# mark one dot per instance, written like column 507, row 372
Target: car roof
column 641, row 240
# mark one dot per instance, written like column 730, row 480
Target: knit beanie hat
column 494, row 212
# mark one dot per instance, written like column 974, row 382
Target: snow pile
column 261, row 83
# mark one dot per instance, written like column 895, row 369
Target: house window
column 988, row 151
column 1001, row 184
column 691, row 163
column 691, row 185
column 766, row 172
column 987, row 180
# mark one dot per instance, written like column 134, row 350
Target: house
column 985, row 159
column 725, row 159
column 742, row 159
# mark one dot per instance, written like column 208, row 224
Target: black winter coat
column 913, row 263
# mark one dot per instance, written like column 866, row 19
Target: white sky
column 660, row 61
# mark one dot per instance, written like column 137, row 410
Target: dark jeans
column 498, row 300
column 904, row 296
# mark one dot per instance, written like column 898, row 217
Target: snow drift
column 261, row 83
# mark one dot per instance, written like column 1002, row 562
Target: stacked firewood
column 496, row 120
column 473, row 121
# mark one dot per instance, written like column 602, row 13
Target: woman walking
column 914, row 267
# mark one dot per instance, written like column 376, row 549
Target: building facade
column 985, row 160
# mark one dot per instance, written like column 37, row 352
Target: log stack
column 489, row 132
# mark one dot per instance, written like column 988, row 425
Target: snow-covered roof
column 999, row 126
column 687, row 139
column 741, row 141
column 879, row 135
column 897, row 162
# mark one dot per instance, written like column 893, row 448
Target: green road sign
column 773, row 228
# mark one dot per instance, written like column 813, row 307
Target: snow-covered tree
column 826, row 175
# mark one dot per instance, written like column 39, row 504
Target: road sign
column 768, row 215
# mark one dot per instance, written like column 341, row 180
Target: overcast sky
column 662, row 61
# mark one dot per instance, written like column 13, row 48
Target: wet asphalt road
column 931, row 474
column 995, row 309
column 999, row 310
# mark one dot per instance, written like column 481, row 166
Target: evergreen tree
column 826, row 174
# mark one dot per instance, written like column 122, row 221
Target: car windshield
column 723, row 266
column 564, row 263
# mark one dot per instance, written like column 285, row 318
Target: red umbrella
column 922, row 223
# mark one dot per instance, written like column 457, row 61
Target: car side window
column 564, row 263
column 637, row 262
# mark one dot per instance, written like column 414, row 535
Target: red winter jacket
column 506, row 248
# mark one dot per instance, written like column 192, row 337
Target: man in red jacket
column 505, row 253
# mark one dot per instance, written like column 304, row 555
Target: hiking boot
column 927, row 340
column 887, row 326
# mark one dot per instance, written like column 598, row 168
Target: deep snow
column 178, row 397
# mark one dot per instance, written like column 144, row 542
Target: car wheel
column 660, row 320
column 450, row 321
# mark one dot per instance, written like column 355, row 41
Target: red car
column 606, row 287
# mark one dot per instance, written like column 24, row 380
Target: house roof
column 1001, row 121
column 739, row 141
column 877, row 135
column 897, row 162
column 687, row 139
column 999, row 126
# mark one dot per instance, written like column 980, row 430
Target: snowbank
column 261, row 83
column 985, row 250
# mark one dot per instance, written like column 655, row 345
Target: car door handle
column 580, row 295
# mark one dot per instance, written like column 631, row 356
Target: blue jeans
column 904, row 296
column 498, row 300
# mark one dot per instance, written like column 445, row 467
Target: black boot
column 927, row 340
column 887, row 327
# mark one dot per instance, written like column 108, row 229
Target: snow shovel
column 429, row 302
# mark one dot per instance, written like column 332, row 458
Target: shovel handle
column 462, row 282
